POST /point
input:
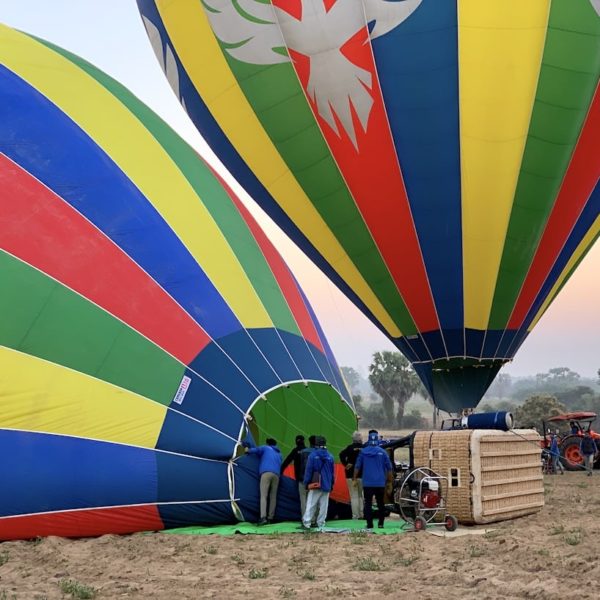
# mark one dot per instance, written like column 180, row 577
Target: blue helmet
column 373, row 439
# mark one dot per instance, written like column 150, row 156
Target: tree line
column 393, row 382
column 381, row 399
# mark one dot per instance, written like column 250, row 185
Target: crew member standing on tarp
column 376, row 468
column 269, row 470
column 295, row 456
column 319, row 480
column 348, row 457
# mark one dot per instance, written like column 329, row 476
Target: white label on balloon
column 182, row 390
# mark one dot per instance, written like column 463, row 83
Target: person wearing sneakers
column 376, row 469
column 348, row 458
column 319, row 479
column 296, row 457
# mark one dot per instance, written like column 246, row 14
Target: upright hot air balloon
column 438, row 160
column 148, row 325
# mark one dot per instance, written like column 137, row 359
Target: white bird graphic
column 259, row 33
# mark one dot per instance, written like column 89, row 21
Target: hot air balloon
column 438, row 160
column 148, row 325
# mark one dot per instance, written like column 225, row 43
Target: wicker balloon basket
column 492, row 475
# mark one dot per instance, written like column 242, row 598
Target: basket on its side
column 492, row 475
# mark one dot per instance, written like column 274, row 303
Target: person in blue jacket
column 376, row 468
column 319, row 479
column 589, row 449
column 269, row 470
column 555, row 455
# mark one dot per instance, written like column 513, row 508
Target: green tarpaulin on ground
column 392, row 526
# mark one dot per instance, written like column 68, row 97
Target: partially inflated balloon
column 148, row 325
column 439, row 160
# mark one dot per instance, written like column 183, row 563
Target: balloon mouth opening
column 301, row 408
column 457, row 384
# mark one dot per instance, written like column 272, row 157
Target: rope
column 562, row 458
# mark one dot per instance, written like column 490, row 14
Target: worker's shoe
column 262, row 522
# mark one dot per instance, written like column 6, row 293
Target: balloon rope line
column 562, row 458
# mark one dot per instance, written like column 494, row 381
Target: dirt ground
column 550, row 555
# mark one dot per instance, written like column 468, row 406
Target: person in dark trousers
column 269, row 470
column 304, row 456
column 588, row 448
column 376, row 468
column 319, row 480
column 295, row 456
column 555, row 456
column 348, row 458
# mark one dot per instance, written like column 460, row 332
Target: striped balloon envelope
column 148, row 324
column 439, row 160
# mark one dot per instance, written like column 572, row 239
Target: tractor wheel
column 450, row 523
column 420, row 523
column 573, row 459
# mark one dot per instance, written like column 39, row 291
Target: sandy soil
column 550, row 555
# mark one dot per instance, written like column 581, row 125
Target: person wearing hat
column 319, row 479
column 376, row 468
column 348, row 458
column 296, row 456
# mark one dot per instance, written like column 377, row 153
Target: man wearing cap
column 348, row 457
column 319, row 479
column 376, row 468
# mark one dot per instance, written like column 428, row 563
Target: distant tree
column 503, row 405
column 536, row 409
column 558, row 379
column 358, row 403
column 598, row 373
column 563, row 376
column 575, row 398
column 591, row 403
column 506, row 405
column 372, row 416
column 501, row 386
column 414, row 420
column 352, row 378
column 541, row 379
column 393, row 378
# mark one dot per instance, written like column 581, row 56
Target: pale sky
column 110, row 35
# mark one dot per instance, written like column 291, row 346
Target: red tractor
column 570, row 428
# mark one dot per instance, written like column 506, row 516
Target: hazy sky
column 110, row 35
